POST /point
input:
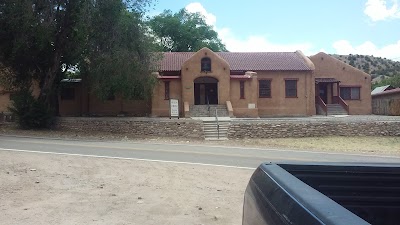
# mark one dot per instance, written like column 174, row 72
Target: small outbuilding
column 386, row 102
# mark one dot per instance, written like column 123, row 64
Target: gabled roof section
column 381, row 89
column 254, row 61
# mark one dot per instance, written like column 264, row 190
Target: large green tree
column 105, row 40
column 120, row 55
column 184, row 32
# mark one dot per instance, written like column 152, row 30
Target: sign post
column 173, row 108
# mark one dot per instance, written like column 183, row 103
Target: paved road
column 186, row 153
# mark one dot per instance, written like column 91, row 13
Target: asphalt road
column 182, row 153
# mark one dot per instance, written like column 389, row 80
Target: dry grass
column 377, row 145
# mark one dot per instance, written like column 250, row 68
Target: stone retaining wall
column 185, row 128
column 188, row 128
column 244, row 129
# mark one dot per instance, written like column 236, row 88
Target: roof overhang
column 168, row 77
column 326, row 80
column 240, row 77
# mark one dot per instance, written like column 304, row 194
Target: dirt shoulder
column 58, row 189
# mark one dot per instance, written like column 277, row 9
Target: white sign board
column 174, row 108
column 252, row 106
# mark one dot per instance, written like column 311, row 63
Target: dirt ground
column 59, row 189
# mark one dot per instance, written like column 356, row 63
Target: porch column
column 338, row 89
column 253, row 94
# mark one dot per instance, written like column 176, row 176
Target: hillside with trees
column 383, row 71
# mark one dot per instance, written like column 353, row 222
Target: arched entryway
column 205, row 91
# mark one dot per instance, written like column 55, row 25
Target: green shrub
column 29, row 112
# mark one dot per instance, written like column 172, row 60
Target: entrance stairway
column 335, row 109
column 202, row 111
column 211, row 131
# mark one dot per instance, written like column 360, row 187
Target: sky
column 368, row 27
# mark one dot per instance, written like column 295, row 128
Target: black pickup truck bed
column 333, row 194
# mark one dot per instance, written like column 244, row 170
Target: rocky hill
column 376, row 66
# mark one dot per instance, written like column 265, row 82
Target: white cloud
column 259, row 43
column 253, row 43
column 196, row 7
column 380, row 10
column 391, row 51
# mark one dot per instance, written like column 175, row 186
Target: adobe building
column 259, row 84
column 268, row 84
column 339, row 83
column 239, row 84
column 248, row 84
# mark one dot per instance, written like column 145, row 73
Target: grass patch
column 378, row 145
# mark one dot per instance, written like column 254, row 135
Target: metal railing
column 208, row 105
column 321, row 103
column 216, row 118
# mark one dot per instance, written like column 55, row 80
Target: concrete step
column 335, row 109
column 215, row 128
column 215, row 131
column 211, row 131
column 202, row 111
column 216, row 139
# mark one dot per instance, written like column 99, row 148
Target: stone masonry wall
column 185, row 128
column 244, row 129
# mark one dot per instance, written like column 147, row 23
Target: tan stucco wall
column 327, row 66
column 278, row 104
column 191, row 70
column 81, row 105
column 5, row 96
column 160, row 105
column 117, row 106
column 241, row 106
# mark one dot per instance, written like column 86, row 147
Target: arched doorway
column 205, row 91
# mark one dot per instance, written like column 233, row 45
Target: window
column 350, row 93
column 291, row 88
column 264, row 88
column 68, row 94
column 241, row 89
column 206, row 64
column 166, row 94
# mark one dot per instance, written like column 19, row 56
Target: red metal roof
column 388, row 92
column 247, row 61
